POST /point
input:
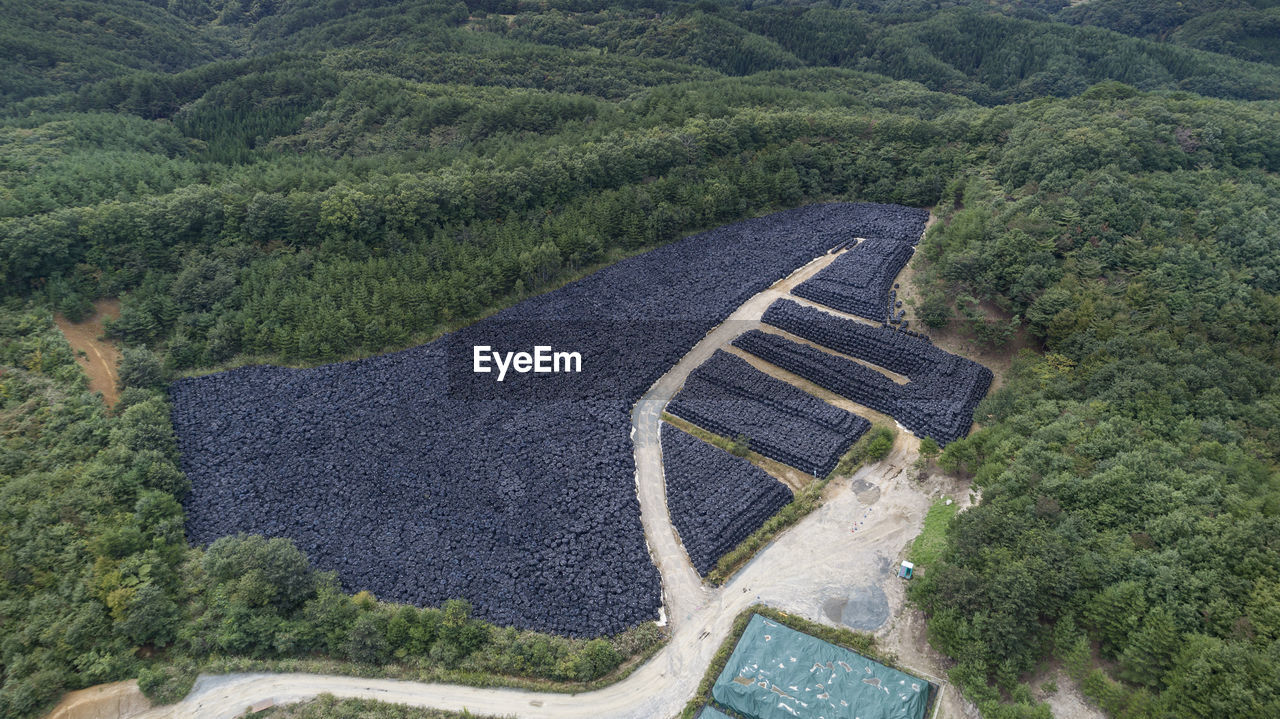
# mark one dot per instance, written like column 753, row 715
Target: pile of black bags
column 716, row 500
column 858, row 281
column 729, row 397
column 937, row 402
column 415, row 478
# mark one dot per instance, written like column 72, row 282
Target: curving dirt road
column 842, row 548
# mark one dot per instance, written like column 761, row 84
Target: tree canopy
column 307, row 181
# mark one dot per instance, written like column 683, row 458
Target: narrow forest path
column 100, row 357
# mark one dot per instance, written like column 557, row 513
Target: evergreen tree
column 1151, row 650
column 1116, row 614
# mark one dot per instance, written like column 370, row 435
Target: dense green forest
column 300, row 181
column 1129, row 474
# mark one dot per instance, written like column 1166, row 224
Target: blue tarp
column 776, row 672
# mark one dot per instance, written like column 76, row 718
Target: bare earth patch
column 105, row 701
column 100, row 357
column 1066, row 700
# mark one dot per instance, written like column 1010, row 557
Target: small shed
column 906, row 570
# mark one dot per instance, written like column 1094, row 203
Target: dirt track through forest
column 832, row 557
column 100, row 357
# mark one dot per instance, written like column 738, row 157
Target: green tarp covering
column 710, row 712
column 776, row 672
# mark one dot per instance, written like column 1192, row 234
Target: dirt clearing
column 105, row 701
column 1052, row 685
column 98, row 357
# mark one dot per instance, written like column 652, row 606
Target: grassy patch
column 169, row 682
column 648, row 639
column 327, row 706
column 871, row 447
column 736, row 447
column 927, row 548
column 879, row 442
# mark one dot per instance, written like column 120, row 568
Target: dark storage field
column 897, row 223
column 420, row 481
column 901, row 352
column 859, row 281
column 846, row 378
column 716, row 500
column 938, row 401
column 728, row 396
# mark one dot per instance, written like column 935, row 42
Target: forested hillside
column 1129, row 474
column 306, row 180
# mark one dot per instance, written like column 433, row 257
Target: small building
column 906, row 570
